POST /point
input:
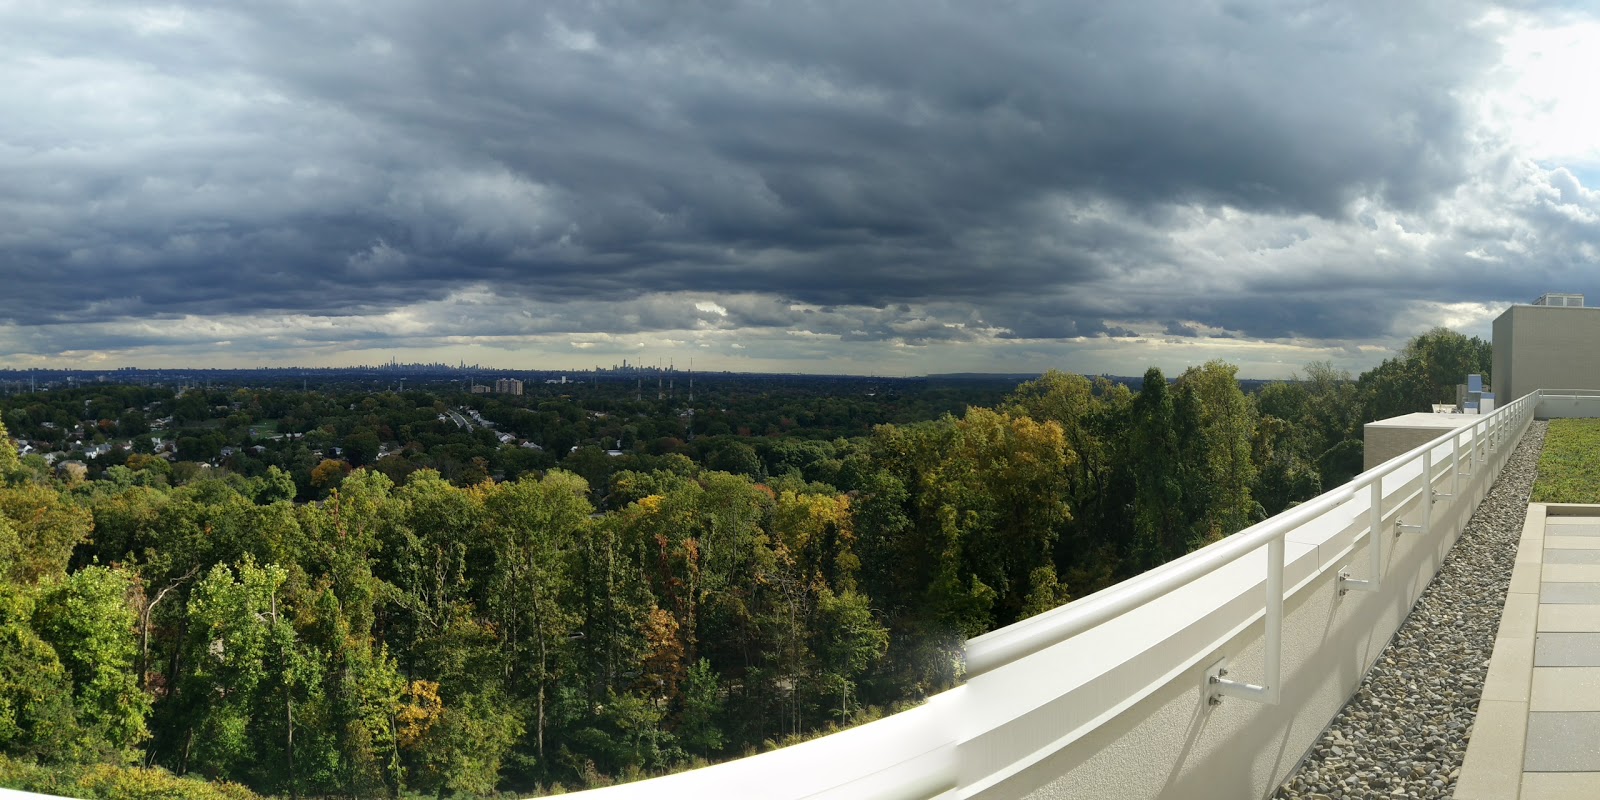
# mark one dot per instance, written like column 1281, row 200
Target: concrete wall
column 1545, row 347
column 1386, row 438
column 1379, row 444
column 1502, row 340
column 1570, row 404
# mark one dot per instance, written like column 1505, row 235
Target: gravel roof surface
column 1405, row 731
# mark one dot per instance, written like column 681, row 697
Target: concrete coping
column 1538, row 721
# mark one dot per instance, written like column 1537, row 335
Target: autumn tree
column 9, row 460
column 48, row 527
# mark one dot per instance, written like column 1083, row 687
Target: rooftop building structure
column 1550, row 345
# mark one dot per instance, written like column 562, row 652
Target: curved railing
column 1209, row 676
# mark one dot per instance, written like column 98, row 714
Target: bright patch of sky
column 1549, row 99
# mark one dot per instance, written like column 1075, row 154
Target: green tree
column 364, row 692
column 1046, row 592
column 1159, row 519
column 276, row 486
column 850, row 641
column 1285, row 473
column 1444, row 358
column 435, row 557
column 361, row 448
column 1227, row 427
column 10, row 552
column 38, row 719
column 87, row 619
column 537, row 525
column 1426, row 371
column 737, row 458
column 248, row 682
column 468, row 746
column 699, row 725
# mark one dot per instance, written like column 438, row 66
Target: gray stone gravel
column 1405, row 731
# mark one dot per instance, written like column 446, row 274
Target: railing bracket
column 1270, row 689
column 1214, row 675
column 1347, row 584
column 1401, row 527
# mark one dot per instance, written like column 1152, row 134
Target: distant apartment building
column 508, row 386
column 1549, row 344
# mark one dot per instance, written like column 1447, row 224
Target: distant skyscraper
column 508, row 386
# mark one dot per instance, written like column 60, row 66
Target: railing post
column 1275, row 557
column 1427, row 490
column 1455, row 464
column 1271, row 688
column 1374, row 545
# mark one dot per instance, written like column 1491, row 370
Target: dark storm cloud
column 1012, row 168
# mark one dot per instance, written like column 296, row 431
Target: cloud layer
column 886, row 186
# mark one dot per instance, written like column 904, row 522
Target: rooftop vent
column 1556, row 299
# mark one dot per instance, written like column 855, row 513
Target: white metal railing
column 1018, row 641
column 999, row 647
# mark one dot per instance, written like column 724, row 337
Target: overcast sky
column 860, row 187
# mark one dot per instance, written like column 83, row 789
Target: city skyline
column 885, row 188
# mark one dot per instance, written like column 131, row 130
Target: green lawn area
column 1569, row 468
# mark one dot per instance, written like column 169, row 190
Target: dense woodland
column 431, row 609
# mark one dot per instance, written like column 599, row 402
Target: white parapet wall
column 1123, row 694
column 1568, row 404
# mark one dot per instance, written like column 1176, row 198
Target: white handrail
column 1003, row 646
column 997, row 648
